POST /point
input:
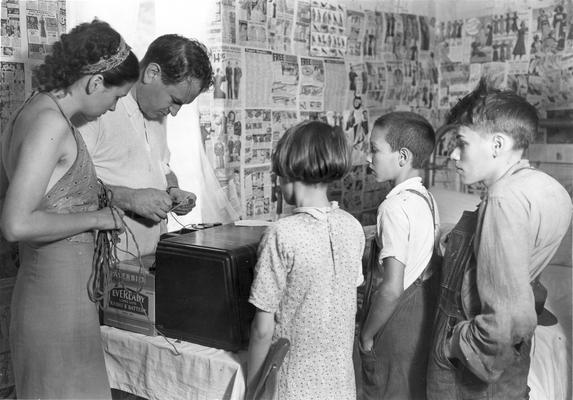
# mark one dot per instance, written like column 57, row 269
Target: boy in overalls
column 395, row 336
column 486, row 312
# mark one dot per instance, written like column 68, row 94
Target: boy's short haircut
column 491, row 110
column 409, row 130
column 312, row 152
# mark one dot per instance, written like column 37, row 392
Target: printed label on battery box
column 129, row 277
column 129, row 300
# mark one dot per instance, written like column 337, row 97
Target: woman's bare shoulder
column 41, row 116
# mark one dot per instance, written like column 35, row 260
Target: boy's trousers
column 395, row 368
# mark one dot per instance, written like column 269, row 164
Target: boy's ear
column 499, row 143
column 151, row 73
column 405, row 156
column 94, row 83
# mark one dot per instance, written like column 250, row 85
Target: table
column 148, row 366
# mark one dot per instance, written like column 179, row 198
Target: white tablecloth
column 148, row 366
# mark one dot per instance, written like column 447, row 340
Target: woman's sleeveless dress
column 54, row 332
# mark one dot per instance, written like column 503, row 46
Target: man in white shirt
column 129, row 145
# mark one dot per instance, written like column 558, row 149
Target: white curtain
column 194, row 171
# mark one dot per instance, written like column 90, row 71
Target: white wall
column 121, row 15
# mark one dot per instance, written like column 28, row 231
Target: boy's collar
column 410, row 183
column 521, row 164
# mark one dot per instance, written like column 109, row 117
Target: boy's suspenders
column 435, row 259
column 432, row 206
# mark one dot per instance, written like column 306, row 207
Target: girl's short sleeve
column 270, row 275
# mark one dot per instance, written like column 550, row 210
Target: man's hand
column 153, row 204
column 183, row 201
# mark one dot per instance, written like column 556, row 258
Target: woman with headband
column 49, row 198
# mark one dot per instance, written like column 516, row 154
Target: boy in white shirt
column 394, row 339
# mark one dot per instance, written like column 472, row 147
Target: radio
column 202, row 285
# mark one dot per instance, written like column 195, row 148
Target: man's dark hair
column 179, row 59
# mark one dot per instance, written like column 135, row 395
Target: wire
column 105, row 254
column 106, row 262
column 180, row 223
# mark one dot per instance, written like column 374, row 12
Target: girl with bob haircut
column 309, row 265
column 49, row 200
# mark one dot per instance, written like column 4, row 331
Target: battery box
column 130, row 301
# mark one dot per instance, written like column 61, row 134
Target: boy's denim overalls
column 449, row 380
column 396, row 366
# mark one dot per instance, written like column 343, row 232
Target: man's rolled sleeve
column 488, row 343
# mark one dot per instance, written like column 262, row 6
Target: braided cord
column 105, row 254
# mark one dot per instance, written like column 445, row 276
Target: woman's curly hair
column 85, row 44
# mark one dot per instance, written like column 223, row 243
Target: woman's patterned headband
column 110, row 62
